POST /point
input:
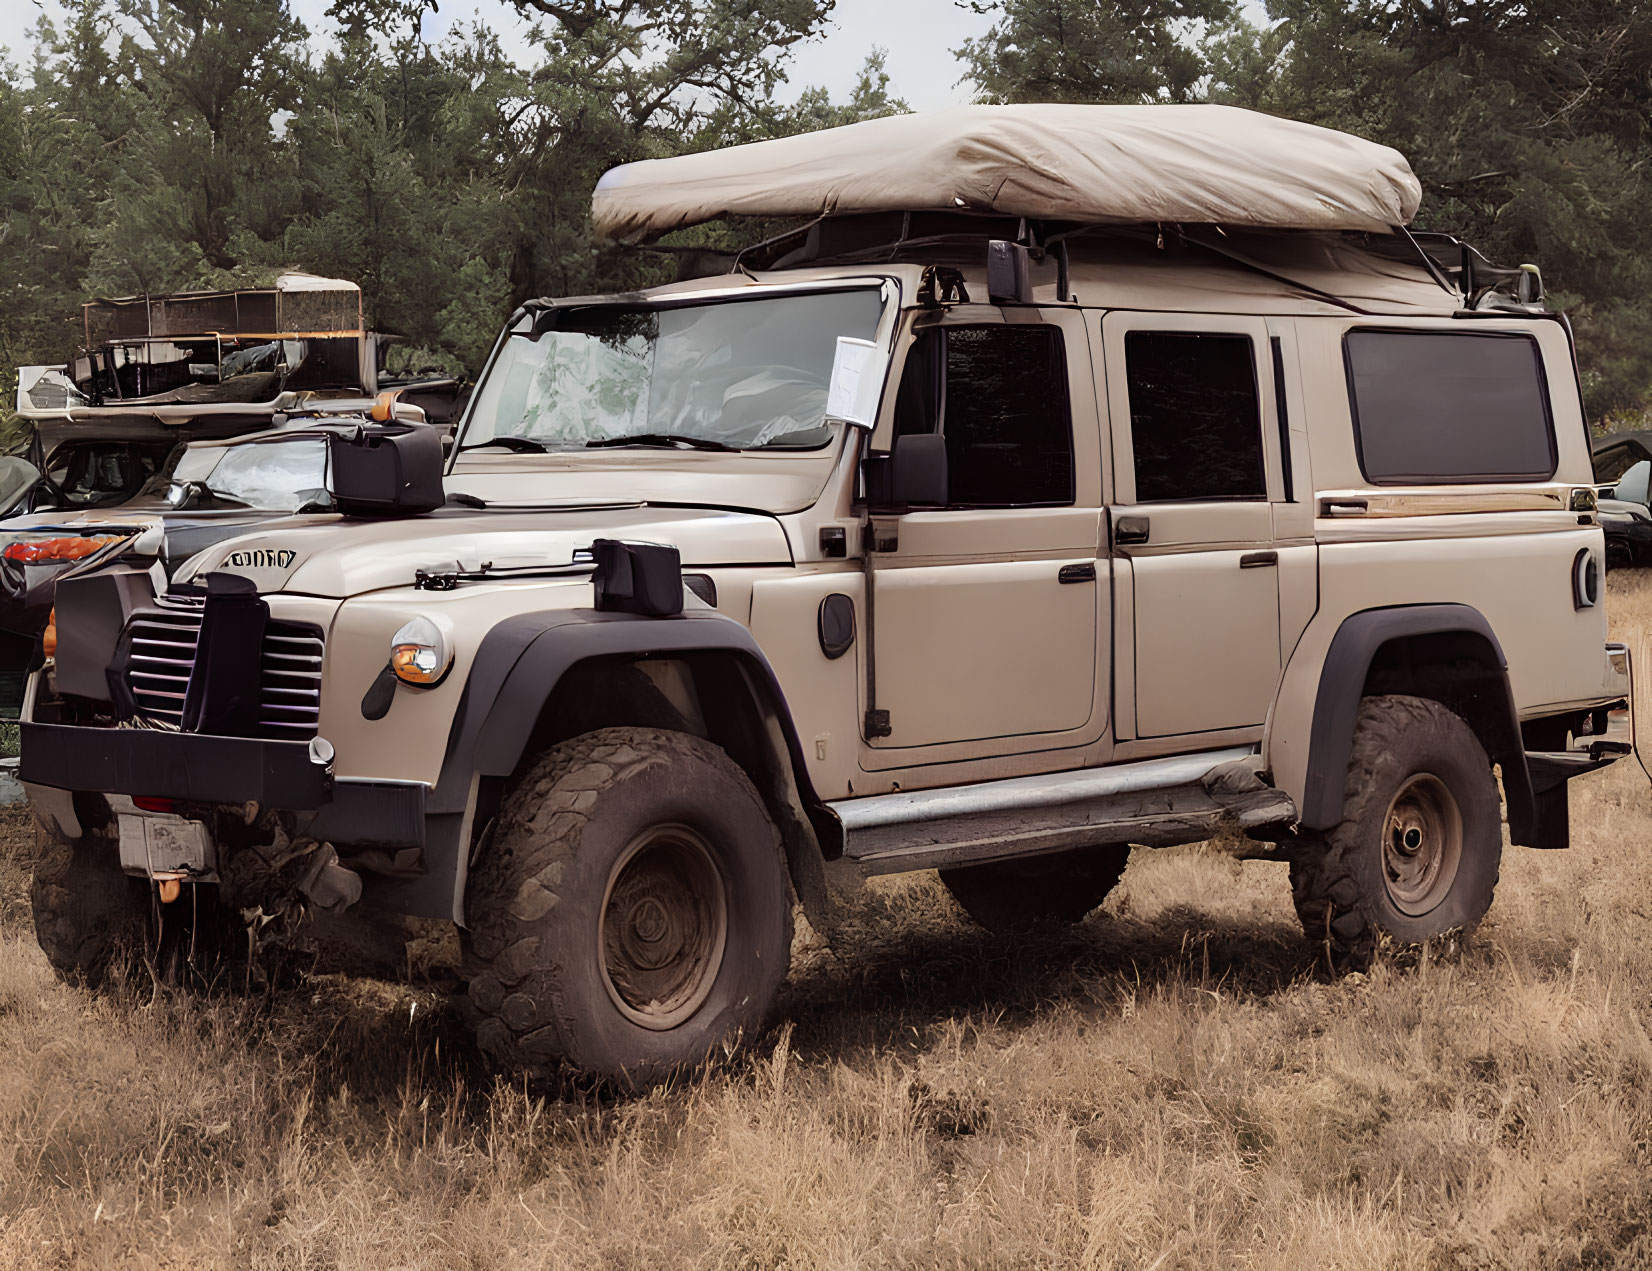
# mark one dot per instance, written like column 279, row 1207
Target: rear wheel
column 1062, row 887
column 1417, row 852
column 632, row 913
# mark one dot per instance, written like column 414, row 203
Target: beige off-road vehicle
column 1078, row 477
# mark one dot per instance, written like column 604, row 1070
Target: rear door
column 1192, row 524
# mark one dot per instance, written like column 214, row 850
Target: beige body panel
column 409, row 742
column 1521, row 583
column 822, row 693
column 984, row 650
column 1505, row 549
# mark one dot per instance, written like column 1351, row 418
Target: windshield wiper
column 660, row 439
column 522, row 445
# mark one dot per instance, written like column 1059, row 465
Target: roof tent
column 1215, row 165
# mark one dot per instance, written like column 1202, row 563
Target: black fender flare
column 516, row 668
column 1342, row 682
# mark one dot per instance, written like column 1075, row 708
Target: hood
column 348, row 557
column 777, row 482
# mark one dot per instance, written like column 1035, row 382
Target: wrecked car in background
column 217, row 490
column 157, row 372
column 134, row 431
column 1623, row 466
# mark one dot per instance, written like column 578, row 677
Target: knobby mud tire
column 87, row 912
column 1339, row 878
column 90, row 916
column 540, row 992
column 1062, row 887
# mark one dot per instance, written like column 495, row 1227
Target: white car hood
column 349, row 557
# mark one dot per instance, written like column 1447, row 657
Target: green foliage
column 156, row 144
column 161, row 144
column 1084, row 51
column 1529, row 122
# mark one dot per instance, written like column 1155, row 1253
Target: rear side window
column 1195, row 416
column 1440, row 407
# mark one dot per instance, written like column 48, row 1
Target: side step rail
column 1152, row 802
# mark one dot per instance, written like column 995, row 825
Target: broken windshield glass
column 278, row 476
column 747, row 374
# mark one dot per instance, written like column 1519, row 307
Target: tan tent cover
column 1098, row 164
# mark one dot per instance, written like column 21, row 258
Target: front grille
column 163, row 644
column 289, row 698
column 161, row 660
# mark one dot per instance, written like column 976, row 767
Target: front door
column 987, row 612
column 1192, row 524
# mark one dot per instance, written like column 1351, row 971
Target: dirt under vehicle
column 1021, row 506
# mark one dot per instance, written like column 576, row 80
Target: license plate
column 165, row 846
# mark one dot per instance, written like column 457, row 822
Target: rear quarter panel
column 1507, row 550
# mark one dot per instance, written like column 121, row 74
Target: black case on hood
column 389, row 470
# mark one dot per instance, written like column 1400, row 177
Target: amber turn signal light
column 36, row 551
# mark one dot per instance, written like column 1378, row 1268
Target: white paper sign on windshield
column 853, row 393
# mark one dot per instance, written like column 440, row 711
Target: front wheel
column 87, row 912
column 632, row 912
column 1417, row 852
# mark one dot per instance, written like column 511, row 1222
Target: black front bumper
column 189, row 766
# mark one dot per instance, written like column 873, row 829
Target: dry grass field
column 1168, row 1085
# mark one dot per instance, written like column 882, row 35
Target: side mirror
column 918, row 470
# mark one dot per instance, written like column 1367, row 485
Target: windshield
column 273, row 476
column 748, row 374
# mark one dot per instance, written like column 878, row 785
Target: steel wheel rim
column 1422, row 844
column 663, row 927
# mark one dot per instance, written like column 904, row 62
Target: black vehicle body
column 1623, row 466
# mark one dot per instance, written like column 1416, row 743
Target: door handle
column 1258, row 560
column 1085, row 573
column 1131, row 529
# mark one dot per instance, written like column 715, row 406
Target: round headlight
column 420, row 653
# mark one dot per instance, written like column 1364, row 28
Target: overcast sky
column 919, row 34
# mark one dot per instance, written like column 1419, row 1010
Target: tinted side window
column 1195, row 416
column 1435, row 407
column 1008, row 424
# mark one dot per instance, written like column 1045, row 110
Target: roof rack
column 950, row 236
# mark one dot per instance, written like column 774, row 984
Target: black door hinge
column 877, row 724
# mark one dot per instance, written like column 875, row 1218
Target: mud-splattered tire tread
column 1331, row 871
column 516, row 999
column 86, row 911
